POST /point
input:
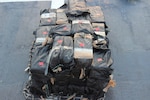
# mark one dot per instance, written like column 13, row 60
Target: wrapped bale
column 81, row 17
column 42, row 35
column 61, row 30
column 62, row 78
column 82, row 26
column 77, row 82
column 77, row 7
column 39, row 85
column 94, row 94
column 100, row 40
column 102, row 58
column 83, row 46
column 96, row 14
column 61, row 82
column 100, row 43
column 36, row 87
column 99, row 29
column 61, row 16
column 42, row 31
column 98, row 79
column 61, row 55
column 48, row 17
column 39, row 59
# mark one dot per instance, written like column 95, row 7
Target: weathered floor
column 129, row 41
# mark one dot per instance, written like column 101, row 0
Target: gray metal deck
column 129, row 24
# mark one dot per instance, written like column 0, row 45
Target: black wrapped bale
column 78, row 90
column 82, row 26
column 61, row 30
column 94, row 94
column 62, row 78
column 36, row 87
column 102, row 58
column 42, row 35
column 98, row 79
column 39, row 59
column 61, row 16
column 48, row 17
column 61, row 82
column 42, row 32
column 96, row 14
column 81, row 17
column 77, row 70
column 61, row 55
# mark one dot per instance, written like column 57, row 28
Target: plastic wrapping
column 61, row 17
column 61, row 55
column 96, row 14
column 36, row 87
column 39, row 59
column 97, row 81
column 77, row 7
column 99, row 29
column 61, row 30
column 102, row 58
column 42, row 32
column 82, row 26
column 101, row 43
column 48, row 17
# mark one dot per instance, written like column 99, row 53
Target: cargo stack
column 70, row 56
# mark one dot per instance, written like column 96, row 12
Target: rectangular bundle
column 82, row 26
column 42, row 31
column 96, row 14
column 83, row 46
column 102, row 58
column 41, row 34
column 48, row 17
column 97, row 81
column 100, row 40
column 99, row 29
column 61, row 16
column 61, row 30
column 39, row 59
column 77, row 7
